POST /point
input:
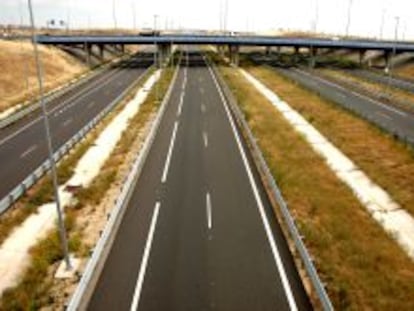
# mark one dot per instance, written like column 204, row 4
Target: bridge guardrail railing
column 276, row 195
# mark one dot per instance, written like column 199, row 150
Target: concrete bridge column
column 296, row 55
column 387, row 60
column 361, row 57
column 163, row 51
column 101, row 48
column 88, row 54
column 313, row 54
column 234, row 55
column 268, row 50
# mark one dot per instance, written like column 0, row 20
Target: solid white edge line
column 209, row 211
column 170, row 150
column 268, row 230
column 144, row 262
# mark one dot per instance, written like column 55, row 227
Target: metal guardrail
column 30, row 180
column 82, row 294
column 267, row 176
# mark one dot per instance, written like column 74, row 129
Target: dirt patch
column 18, row 80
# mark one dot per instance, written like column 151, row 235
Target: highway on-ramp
column 198, row 232
column 23, row 146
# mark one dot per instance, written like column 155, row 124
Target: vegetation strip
column 349, row 248
column 388, row 162
column 398, row 223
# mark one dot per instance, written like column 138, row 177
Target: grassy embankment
column 33, row 290
column 386, row 161
column 18, row 80
column 363, row 267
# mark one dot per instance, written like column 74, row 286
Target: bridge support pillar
column 313, row 54
column 234, row 55
column 101, row 48
column 387, row 60
column 163, row 52
column 361, row 57
column 88, row 54
column 268, row 50
column 296, row 55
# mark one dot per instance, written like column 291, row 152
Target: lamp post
column 382, row 24
column 62, row 230
column 156, row 58
column 348, row 23
column 114, row 14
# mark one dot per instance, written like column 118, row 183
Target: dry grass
column 362, row 266
column 388, row 162
column 17, row 63
column 406, row 71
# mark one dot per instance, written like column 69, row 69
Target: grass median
column 362, row 266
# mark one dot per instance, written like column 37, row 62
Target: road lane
column 389, row 118
column 210, row 248
column 65, row 121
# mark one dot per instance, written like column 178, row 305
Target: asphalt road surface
column 198, row 232
column 381, row 78
column 23, row 146
column 389, row 118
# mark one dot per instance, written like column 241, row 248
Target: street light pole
column 114, row 14
column 62, row 230
column 134, row 18
column 156, row 58
column 382, row 24
column 348, row 23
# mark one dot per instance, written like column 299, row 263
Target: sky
column 255, row 15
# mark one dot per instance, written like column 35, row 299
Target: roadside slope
column 18, row 75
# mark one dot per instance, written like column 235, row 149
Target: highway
column 199, row 232
column 383, row 79
column 22, row 145
column 387, row 117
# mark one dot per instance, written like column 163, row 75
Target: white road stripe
column 383, row 115
column 67, row 122
column 91, row 104
column 205, row 139
column 28, row 151
column 144, row 262
column 203, row 108
column 180, row 105
column 268, row 230
column 76, row 99
column 209, row 211
column 170, row 150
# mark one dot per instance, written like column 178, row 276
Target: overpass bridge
column 165, row 41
